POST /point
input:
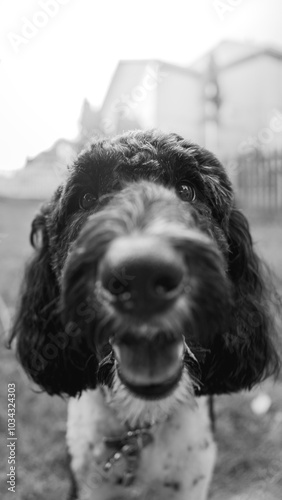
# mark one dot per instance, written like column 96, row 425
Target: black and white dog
column 143, row 299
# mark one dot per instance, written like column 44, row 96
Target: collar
column 128, row 446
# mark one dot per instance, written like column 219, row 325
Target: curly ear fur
column 45, row 349
column 246, row 355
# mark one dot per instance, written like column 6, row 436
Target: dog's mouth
column 153, row 391
column 149, row 369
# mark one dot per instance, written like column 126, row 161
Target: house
column 229, row 100
column 152, row 93
column 42, row 174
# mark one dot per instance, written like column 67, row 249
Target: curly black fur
column 61, row 351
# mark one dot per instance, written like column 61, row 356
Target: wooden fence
column 258, row 180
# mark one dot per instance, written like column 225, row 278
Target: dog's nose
column 142, row 274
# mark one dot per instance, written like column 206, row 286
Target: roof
column 271, row 52
column 230, row 53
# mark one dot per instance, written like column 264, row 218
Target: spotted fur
column 176, row 465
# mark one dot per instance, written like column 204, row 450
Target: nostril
column 166, row 285
column 114, row 285
column 118, row 287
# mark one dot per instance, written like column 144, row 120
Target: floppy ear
column 44, row 348
column 246, row 354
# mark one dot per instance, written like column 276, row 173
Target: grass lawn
column 250, row 446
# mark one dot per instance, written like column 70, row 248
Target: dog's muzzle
column 155, row 282
column 143, row 277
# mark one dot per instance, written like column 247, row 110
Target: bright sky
column 46, row 72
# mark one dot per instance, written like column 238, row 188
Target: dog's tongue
column 147, row 363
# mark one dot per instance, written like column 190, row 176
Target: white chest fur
column 176, row 465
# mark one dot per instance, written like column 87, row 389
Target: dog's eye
column 186, row 192
column 87, row 200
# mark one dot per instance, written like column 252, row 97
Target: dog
column 144, row 298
